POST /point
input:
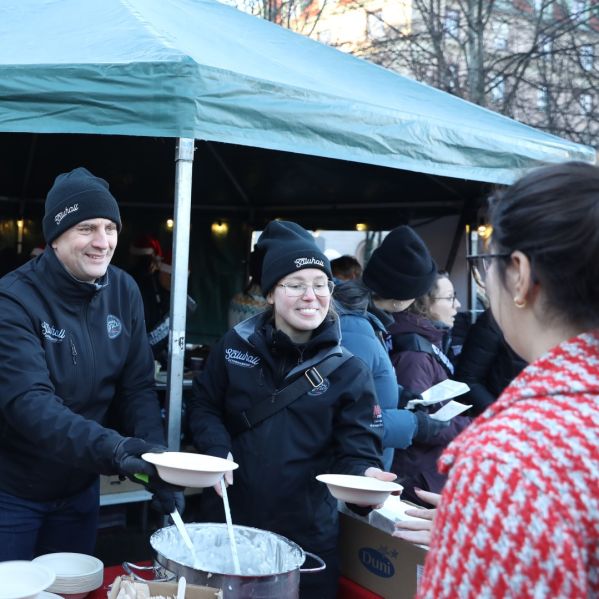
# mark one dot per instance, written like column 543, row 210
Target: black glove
column 427, row 427
column 166, row 497
column 406, row 396
column 128, row 461
column 127, row 457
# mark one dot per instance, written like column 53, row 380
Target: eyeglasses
column 450, row 298
column 480, row 264
column 323, row 289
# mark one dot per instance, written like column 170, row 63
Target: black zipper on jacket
column 73, row 350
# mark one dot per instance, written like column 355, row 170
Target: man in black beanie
column 72, row 347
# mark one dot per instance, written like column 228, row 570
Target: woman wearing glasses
column 519, row 515
column 421, row 337
column 332, row 424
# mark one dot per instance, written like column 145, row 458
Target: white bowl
column 189, row 469
column 359, row 490
column 23, row 580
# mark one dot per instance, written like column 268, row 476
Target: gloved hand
column 128, row 461
column 427, row 427
column 166, row 497
column 407, row 395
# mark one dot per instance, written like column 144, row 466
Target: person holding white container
column 242, row 406
column 73, row 348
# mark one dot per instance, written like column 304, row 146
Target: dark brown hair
column 552, row 216
column 422, row 305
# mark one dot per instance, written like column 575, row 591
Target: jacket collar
column 62, row 282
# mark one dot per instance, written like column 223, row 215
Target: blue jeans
column 31, row 528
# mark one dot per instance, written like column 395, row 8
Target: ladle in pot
column 184, row 535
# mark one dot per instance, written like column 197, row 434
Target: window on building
column 452, row 22
column 452, row 77
column 498, row 91
column 375, row 26
column 587, row 57
column 542, row 98
column 578, row 9
column 501, row 36
column 546, row 50
column 586, row 103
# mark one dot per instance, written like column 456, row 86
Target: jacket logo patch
column 113, row 326
column 241, row 358
column 52, row 334
column 60, row 215
column 301, row 262
column 322, row 388
column 377, row 416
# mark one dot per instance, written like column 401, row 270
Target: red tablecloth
column 347, row 588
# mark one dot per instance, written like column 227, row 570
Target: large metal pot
column 270, row 563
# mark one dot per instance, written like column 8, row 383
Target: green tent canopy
column 203, row 70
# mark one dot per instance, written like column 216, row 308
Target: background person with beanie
column 72, row 348
column 332, row 425
column 398, row 269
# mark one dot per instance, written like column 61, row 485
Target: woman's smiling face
column 299, row 316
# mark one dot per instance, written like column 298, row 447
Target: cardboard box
column 169, row 589
column 371, row 557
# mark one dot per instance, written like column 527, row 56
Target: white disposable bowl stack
column 77, row 574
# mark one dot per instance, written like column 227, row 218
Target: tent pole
column 176, row 341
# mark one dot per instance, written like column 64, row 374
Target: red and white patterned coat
column 519, row 516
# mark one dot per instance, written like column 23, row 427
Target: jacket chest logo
column 241, row 358
column 113, row 326
column 52, row 333
column 322, row 388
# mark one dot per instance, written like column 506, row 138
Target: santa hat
column 146, row 245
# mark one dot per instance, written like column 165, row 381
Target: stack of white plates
column 77, row 574
column 23, row 580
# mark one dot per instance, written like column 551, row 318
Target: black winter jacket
column 69, row 351
column 336, row 428
column 487, row 363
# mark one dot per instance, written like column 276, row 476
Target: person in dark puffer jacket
column 487, row 364
column 72, row 347
column 335, row 426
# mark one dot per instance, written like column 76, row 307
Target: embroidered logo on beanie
column 303, row 262
column 66, row 211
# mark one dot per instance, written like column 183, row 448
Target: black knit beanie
column 77, row 196
column 401, row 268
column 285, row 247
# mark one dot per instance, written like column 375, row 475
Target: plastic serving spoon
column 184, row 534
